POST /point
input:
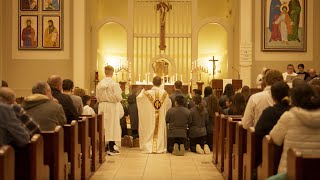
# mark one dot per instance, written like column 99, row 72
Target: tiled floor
column 132, row 164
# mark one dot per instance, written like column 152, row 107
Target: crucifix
column 213, row 66
column 164, row 8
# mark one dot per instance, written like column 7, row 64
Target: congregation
column 287, row 108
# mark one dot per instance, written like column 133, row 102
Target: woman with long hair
column 228, row 92
column 238, row 106
column 197, row 127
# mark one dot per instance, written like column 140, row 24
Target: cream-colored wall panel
column 259, row 55
column 209, row 8
column 23, row 74
column 40, row 54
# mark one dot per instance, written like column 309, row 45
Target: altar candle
column 139, row 77
column 176, row 77
column 190, row 75
column 146, row 77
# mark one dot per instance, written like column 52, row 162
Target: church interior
column 194, row 41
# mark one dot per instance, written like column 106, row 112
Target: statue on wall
column 164, row 8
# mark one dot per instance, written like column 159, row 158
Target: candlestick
column 139, row 77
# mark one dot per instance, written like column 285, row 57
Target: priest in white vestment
column 152, row 108
column 109, row 98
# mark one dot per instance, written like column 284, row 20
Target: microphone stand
column 237, row 72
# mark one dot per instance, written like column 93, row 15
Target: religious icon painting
column 51, row 32
column 284, row 25
column 51, row 5
column 28, row 32
column 28, row 5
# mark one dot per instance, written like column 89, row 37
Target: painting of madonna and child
column 284, row 25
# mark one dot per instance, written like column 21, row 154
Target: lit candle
column 139, row 77
column 176, row 77
column 190, row 75
column 146, row 79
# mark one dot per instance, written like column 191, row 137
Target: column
column 246, row 41
column 79, row 17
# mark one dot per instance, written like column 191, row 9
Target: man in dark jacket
column 178, row 119
column 43, row 109
column 8, row 96
column 178, row 92
column 70, row 111
column 12, row 131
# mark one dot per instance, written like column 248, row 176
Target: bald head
column 55, row 81
column 7, row 95
column 156, row 81
column 312, row 72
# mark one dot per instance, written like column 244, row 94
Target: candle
column 191, row 75
column 181, row 77
column 139, row 77
column 176, row 77
column 146, row 77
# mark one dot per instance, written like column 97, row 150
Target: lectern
column 218, row 86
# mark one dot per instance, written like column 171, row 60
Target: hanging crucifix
column 213, row 66
column 164, row 8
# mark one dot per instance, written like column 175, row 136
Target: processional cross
column 164, row 8
column 213, row 66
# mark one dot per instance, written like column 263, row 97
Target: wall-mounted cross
column 213, row 66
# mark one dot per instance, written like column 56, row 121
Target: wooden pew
column 73, row 148
column 102, row 143
column 302, row 166
column 29, row 162
column 216, row 129
column 54, row 154
column 221, row 145
column 85, row 148
column 239, row 148
column 230, row 140
column 94, row 141
column 6, row 163
column 222, row 140
column 271, row 155
column 249, row 157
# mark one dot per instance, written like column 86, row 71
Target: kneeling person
column 178, row 119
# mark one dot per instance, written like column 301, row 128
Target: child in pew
column 270, row 117
column 238, row 106
column 298, row 128
column 197, row 127
column 228, row 105
column 178, row 118
column 87, row 110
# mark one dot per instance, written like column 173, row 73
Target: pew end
column 301, row 166
column 271, row 154
column 238, row 151
column 54, row 154
column 7, row 159
column 73, row 148
column 29, row 160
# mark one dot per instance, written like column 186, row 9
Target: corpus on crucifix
column 164, row 8
column 213, row 66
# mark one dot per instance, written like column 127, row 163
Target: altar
column 169, row 88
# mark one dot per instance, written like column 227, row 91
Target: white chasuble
column 109, row 98
column 152, row 108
